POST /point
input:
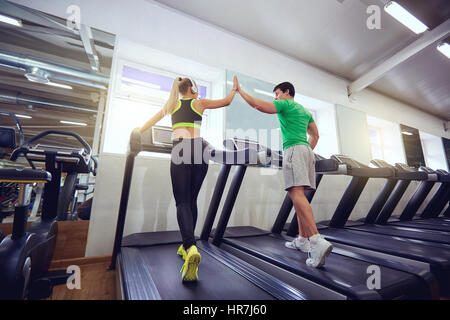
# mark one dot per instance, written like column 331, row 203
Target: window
column 376, row 144
column 139, row 93
column 433, row 151
column 247, row 123
column 324, row 115
column 385, row 140
column 153, row 85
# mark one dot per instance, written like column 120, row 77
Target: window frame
column 148, row 99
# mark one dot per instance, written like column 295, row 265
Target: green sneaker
column 181, row 252
column 190, row 266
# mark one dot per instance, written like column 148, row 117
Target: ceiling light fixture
column 19, row 116
column 34, row 74
column 407, row 133
column 10, row 20
column 75, row 123
column 444, row 48
column 23, row 116
column 59, row 85
column 405, row 17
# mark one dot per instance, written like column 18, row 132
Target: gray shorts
column 299, row 167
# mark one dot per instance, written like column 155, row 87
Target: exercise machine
column 17, row 250
column 346, row 268
column 147, row 266
column 57, row 160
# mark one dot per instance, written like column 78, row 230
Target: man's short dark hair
column 285, row 86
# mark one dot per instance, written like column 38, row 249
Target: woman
column 188, row 167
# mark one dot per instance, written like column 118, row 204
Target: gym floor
column 97, row 283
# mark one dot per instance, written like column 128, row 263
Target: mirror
column 54, row 75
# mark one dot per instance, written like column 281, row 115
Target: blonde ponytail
column 174, row 95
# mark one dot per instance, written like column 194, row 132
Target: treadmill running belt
column 405, row 232
column 216, row 281
column 346, row 275
column 419, row 224
column 438, row 258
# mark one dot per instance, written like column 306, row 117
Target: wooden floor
column 71, row 241
column 97, row 283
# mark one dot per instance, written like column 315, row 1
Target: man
column 298, row 165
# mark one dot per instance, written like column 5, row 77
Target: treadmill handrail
column 357, row 169
column 24, row 175
column 25, row 148
column 24, row 151
column 243, row 156
column 442, row 175
column 426, row 169
column 401, row 171
column 57, row 132
column 266, row 156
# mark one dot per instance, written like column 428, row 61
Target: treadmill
column 428, row 219
column 148, row 267
column 432, row 209
column 58, row 160
column 346, row 267
column 375, row 221
column 436, row 255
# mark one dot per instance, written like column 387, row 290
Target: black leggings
column 188, row 169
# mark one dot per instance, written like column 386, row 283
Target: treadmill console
column 404, row 168
column 266, row 157
column 381, row 163
column 67, row 150
column 162, row 136
column 426, row 170
column 248, row 144
column 158, row 139
column 341, row 159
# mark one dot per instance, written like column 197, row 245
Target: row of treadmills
column 411, row 251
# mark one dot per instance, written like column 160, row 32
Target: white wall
column 156, row 26
column 433, row 151
column 353, row 134
column 326, row 123
column 391, row 140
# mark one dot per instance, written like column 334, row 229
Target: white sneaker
column 299, row 243
column 320, row 249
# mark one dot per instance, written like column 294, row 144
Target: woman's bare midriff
column 186, row 133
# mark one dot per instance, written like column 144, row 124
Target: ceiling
column 47, row 40
column 332, row 35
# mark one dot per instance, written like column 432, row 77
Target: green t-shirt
column 294, row 121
